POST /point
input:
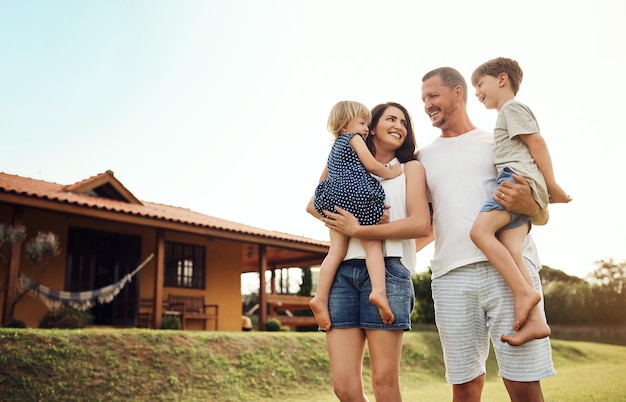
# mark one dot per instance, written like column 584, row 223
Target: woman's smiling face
column 390, row 129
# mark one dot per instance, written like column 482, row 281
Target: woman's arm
column 310, row 207
column 422, row 242
column 416, row 224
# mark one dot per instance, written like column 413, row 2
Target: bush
column 170, row 322
column 15, row 324
column 272, row 325
column 65, row 317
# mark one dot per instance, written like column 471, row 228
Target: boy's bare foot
column 319, row 308
column 557, row 195
column 523, row 305
column 535, row 328
column 384, row 309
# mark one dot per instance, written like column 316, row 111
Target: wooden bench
column 191, row 308
column 287, row 304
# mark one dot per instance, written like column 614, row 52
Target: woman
column 355, row 321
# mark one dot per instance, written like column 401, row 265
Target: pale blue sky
column 220, row 106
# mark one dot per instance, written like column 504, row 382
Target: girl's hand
column 396, row 170
column 385, row 217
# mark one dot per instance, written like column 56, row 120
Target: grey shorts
column 472, row 304
column 348, row 301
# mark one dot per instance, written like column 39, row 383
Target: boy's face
column 358, row 125
column 487, row 91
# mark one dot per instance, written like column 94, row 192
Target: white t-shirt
column 460, row 176
column 395, row 196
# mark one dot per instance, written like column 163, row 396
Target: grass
column 159, row 365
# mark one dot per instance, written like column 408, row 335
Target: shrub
column 272, row 325
column 170, row 322
column 65, row 317
column 14, row 323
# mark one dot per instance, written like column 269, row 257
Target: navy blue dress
column 349, row 185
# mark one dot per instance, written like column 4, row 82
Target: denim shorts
column 349, row 304
column 506, row 174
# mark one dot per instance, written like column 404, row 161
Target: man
column 472, row 301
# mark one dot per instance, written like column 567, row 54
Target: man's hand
column 518, row 197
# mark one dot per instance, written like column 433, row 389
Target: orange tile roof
column 43, row 190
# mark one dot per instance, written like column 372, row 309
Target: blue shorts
column 348, row 301
column 516, row 219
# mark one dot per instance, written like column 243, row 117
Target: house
column 105, row 232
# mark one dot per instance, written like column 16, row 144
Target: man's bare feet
column 319, row 308
column 384, row 309
column 523, row 305
column 535, row 328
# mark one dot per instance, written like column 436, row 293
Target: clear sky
column 221, row 106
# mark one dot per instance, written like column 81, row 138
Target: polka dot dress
column 349, row 185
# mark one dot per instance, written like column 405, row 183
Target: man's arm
column 518, row 198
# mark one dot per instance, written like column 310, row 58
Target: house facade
column 105, row 233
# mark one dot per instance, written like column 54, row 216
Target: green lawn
column 158, row 365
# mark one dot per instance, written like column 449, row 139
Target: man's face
column 439, row 101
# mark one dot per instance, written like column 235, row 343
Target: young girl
column 347, row 183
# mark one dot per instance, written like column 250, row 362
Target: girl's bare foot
column 523, row 305
column 319, row 308
column 535, row 328
column 384, row 309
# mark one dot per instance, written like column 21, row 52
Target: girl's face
column 390, row 131
column 358, row 125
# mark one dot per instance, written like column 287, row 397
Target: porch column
column 159, row 276
column 14, row 268
column 262, row 299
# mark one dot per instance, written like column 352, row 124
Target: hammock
column 81, row 300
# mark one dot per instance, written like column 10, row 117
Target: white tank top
column 395, row 196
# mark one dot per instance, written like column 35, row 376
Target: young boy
column 519, row 149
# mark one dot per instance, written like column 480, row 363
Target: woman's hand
column 343, row 222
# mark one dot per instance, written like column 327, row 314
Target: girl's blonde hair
column 343, row 113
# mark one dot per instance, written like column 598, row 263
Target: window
column 184, row 266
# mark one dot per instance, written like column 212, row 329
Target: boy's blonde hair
column 343, row 113
column 497, row 66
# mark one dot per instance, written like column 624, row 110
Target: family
column 475, row 194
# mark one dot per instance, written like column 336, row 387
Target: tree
column 306, row 284
column 571, row 300
column 9, row 235
column 610, row 275
column 38, row 250
column 424, row 312
column 548, row 275
column 609, row 280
